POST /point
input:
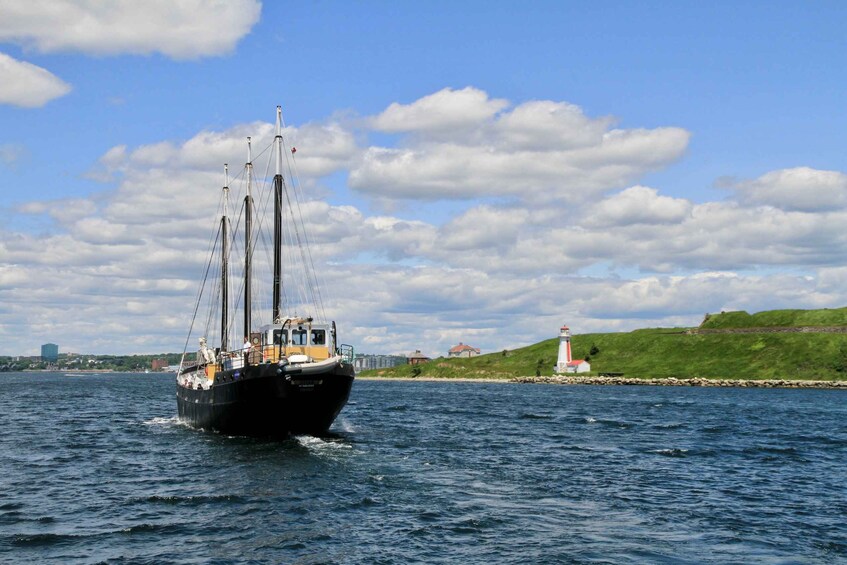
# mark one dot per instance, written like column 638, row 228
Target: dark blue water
column 97, row 469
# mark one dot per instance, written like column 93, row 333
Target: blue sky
column 733, row 112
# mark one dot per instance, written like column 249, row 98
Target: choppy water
column 98, row 469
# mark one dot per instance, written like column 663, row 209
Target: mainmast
column 278, row 184
column 225, row 265
column 248, row 247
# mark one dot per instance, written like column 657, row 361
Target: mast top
column 278, row 141
column 278, row 121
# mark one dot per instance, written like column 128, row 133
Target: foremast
column 278, row 188
column 248, row 244
column 225, row 265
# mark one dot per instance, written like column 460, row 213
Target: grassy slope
column 673, row 353
column 777, row 318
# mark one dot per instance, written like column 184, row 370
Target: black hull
column 261, row 401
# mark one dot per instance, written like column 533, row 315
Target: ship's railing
column 346, row 352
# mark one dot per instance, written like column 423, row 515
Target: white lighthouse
column 564, row 350
column 566, row 363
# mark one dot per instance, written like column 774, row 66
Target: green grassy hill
column 777, row 318
column 652, row 353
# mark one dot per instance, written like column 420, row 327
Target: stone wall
column 672, row 381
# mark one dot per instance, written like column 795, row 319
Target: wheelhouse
column 296, row 337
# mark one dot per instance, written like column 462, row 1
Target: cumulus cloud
column 447, row 110
column 799, row 189
column 27, row 86
column 462, row 145
column 638, row 205
column 181, row 29
column 119, row 272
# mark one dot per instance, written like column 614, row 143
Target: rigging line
column 266, row 203
column 199, row 297
column 296, row 176
column 237, row 252
column 213, row 238
column 214, row 299
column 300, row 247
column 259, row 243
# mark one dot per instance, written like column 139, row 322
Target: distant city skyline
column 479, row 171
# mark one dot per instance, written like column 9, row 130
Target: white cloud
column 181, row 29
column 799, row 189
column 638, row 205
column 461, row 145
column 444, row 111
column 27, row 86
column 118, row 272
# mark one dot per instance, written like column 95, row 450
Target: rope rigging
column 295, row 255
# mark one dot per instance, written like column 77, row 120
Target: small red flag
column 293, row 150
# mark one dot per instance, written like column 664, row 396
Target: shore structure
column 565, row 362
column 672, row 381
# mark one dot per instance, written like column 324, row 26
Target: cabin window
column 299, row 336
column 279, row 337
column 318, row 337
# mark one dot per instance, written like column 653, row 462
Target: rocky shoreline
column 672, row 381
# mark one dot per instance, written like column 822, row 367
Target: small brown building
column 417, row 358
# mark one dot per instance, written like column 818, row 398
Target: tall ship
column 268, row 362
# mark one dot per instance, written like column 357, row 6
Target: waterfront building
column 50, row 352
column 463, row 350
column 566, row 363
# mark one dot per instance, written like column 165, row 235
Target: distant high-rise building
column 50, row 352
column 364, row 362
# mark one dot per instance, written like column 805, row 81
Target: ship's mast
column 278, row 184
column 248, row 251
column 225, row 264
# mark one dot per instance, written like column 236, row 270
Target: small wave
column 37, row 540
column 575, row 448
column 672, row 426
column 775, row 453
column 771, row 449
column 17, row 518
column 365, row 502
column 152, row 528
column 166, row 422
column 531, row 416
column 398, row 408
column 318, row 445
column 11, row 506
column 192, row 500
column 609, row 423
column 673, row 452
